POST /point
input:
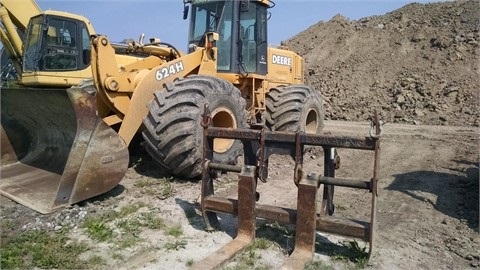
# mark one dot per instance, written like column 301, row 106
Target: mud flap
column 55, row 150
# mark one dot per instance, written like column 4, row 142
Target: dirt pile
column 418, row 64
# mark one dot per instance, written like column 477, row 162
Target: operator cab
column 55, row 43
column 242, row 28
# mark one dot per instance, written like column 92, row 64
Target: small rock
column 418, row 37
column 400, row 99
column 418, row 112
column 473, row 42
column 442, row 118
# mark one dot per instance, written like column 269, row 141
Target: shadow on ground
column 226, row 223
column 456, row 192
column 113, row 193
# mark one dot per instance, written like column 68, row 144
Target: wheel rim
column 311, row 122
column 223, row 117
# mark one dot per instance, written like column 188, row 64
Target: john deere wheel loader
column 229, row 67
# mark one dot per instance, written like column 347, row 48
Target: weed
column 109, row 215
column 40, row 249
column 97, row 229
column 178, row 244
column 7, row 224
column 149, row 191
column 96, row 260
column 250, row 256
column 353, row 253
column 276, row 232
column 131, row 208
column 144, row 183
column 189, row 263
column 242, row 266
column 128, row 240
column 175, row 231
column 167, row 191
column 248, row 260
column 152, row 222
column 131, row 226
column 276, row 229
column 112, row 215
column 152, row 187
column 135, row 162
column 317, row 265
column 262, row 243
column 117, row 256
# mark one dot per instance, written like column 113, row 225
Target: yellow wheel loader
column 228, row 67
column 55, row 150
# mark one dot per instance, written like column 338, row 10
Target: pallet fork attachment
column 258, row 146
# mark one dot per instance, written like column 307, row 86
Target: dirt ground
column 419, row 66
column 427, row 205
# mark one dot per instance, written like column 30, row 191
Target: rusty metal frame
column 258, row 146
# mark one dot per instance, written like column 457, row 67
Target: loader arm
column 21, row 11
column 127, row 92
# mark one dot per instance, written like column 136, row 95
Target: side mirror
column 185, row 12
column 86, row 56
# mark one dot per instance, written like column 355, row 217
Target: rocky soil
column 417, row 64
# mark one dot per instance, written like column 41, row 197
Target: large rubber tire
column 174, row 134
column 294, row 108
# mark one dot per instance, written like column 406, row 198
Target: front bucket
column 55, row 150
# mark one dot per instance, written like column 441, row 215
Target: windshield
column 213, row 16
column 51, row 44
column 205, row 18
column 32, row 46
column 61, row 45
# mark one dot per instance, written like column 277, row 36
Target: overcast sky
column 122, row 19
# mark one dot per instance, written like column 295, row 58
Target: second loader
column 55, row 150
